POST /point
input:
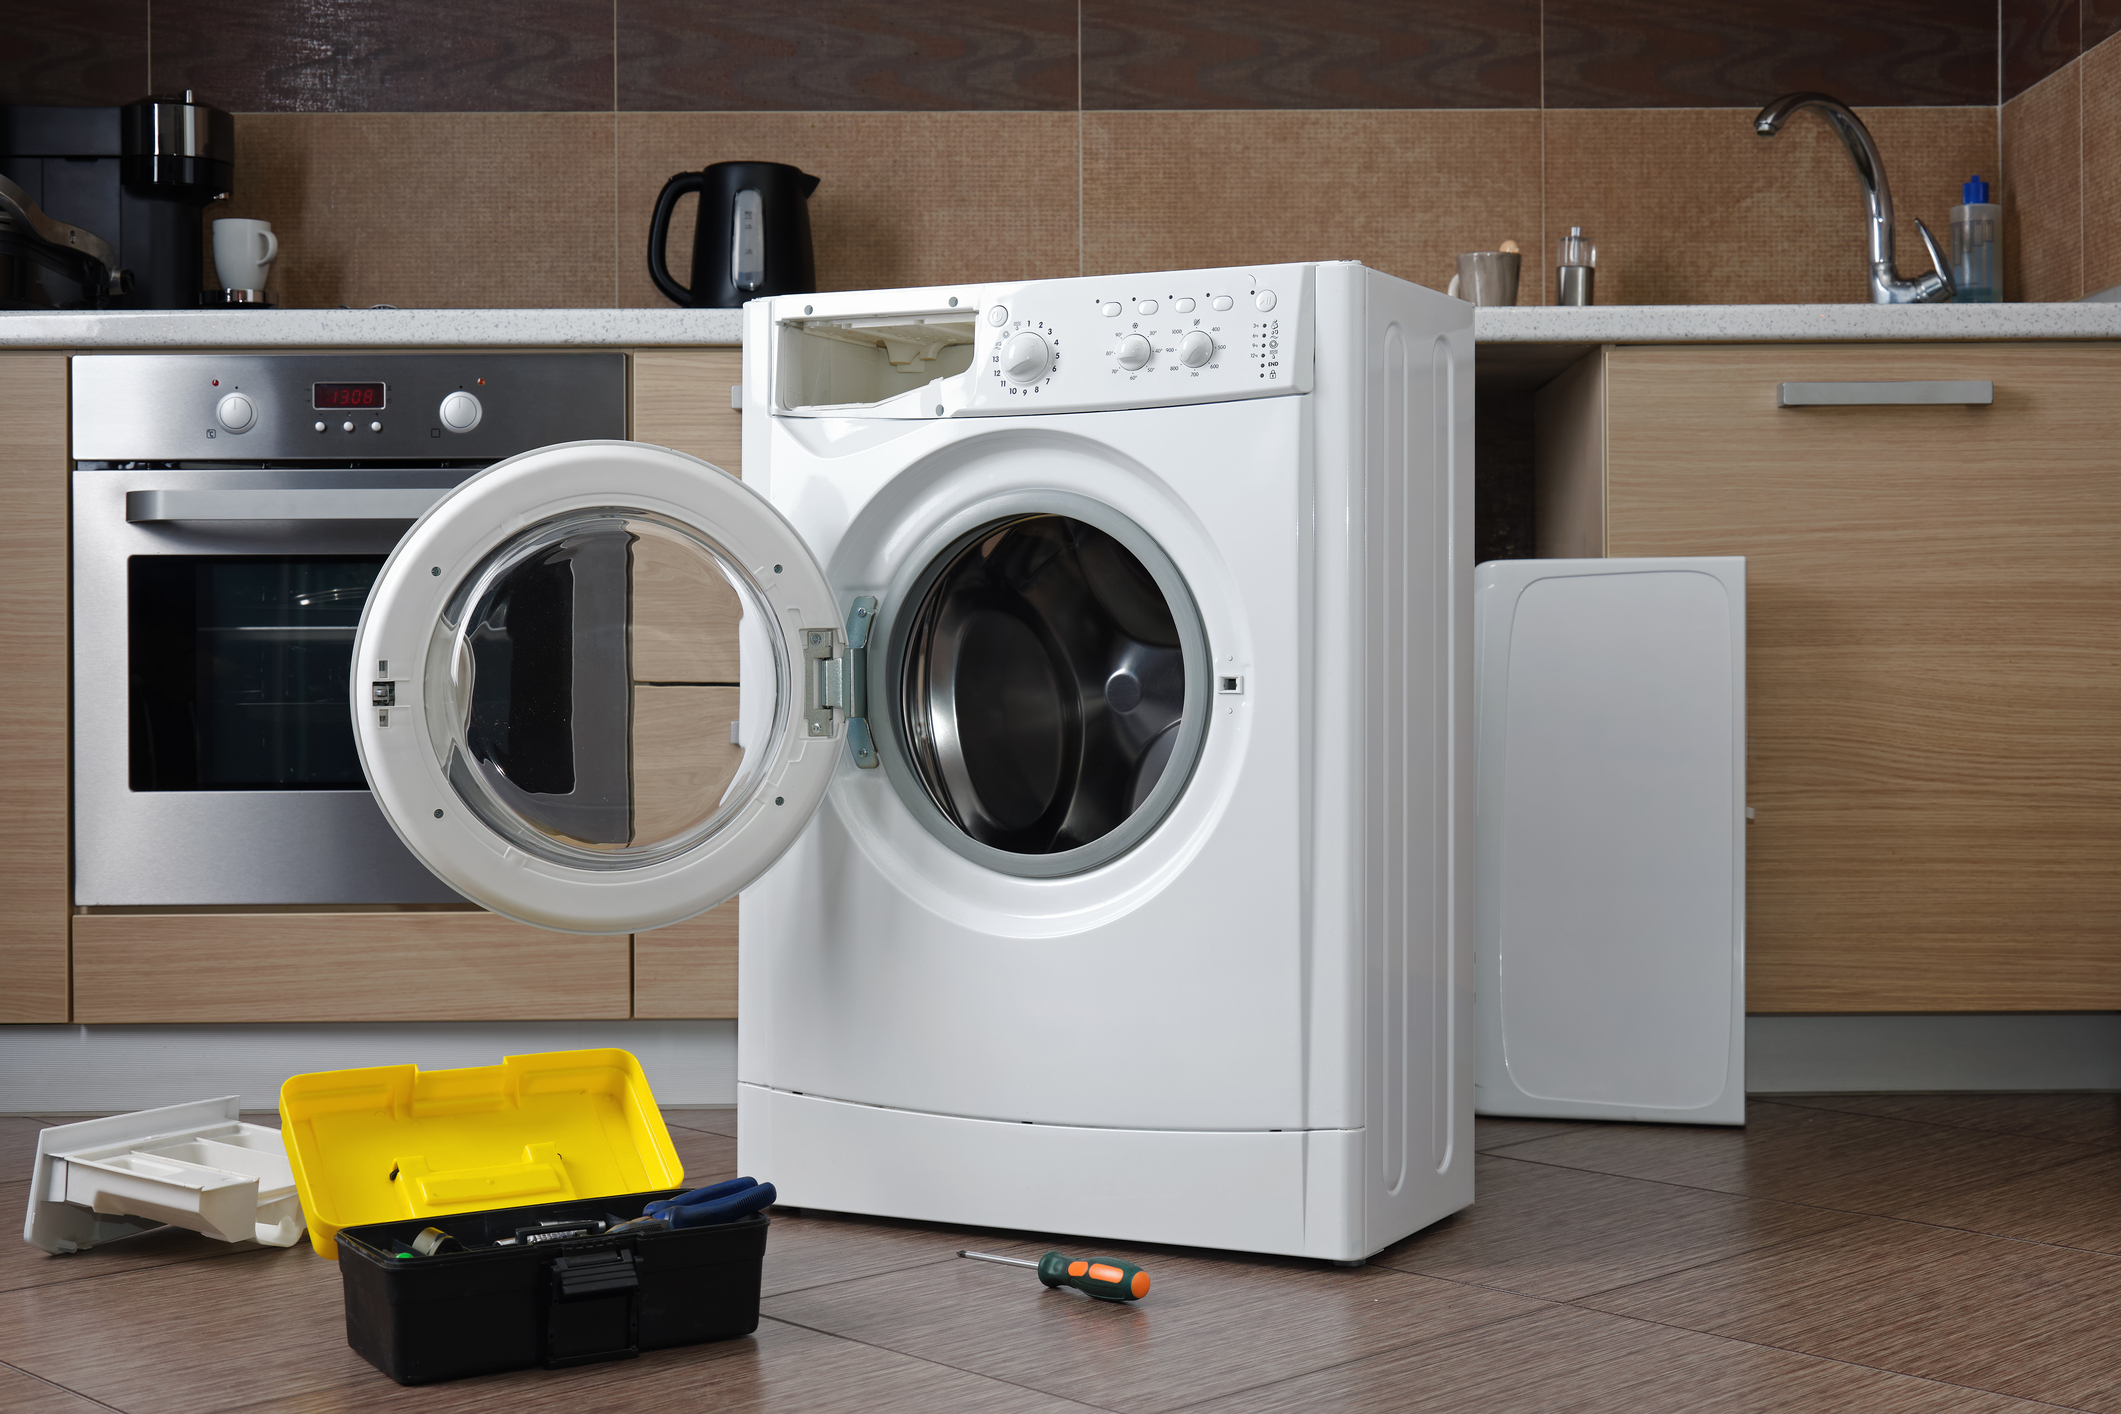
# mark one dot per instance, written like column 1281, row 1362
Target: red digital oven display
column 337, row 396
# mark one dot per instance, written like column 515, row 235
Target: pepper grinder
column 1576, row 267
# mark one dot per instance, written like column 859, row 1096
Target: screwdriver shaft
column 990, row 1257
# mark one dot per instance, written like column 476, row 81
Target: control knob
column 1026, row 358
column 1196, row 349
column 237, row 413
column 1135, row 352
column 461, row 411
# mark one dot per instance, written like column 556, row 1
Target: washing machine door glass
column 580, row 687
column 1052, row 690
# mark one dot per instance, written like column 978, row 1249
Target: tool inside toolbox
column 701, row 1207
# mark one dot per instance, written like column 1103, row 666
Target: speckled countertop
column 638, row 328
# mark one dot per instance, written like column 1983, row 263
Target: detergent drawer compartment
column 487, row 1308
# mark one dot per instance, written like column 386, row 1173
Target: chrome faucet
column 1886, row 285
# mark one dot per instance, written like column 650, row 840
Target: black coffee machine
column 752, row 240
column 139, row 177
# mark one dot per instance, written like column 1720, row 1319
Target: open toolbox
column 568, row 1301
column 196, row 1166
column 390, row 1142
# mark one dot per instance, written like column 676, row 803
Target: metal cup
column 1487, row 277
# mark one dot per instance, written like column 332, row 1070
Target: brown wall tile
column 388, row 56
column 2043, row 191
column 1400, row 191
column 1685, row 54
column 428, row 210
column 2039, row 37
column 1327, row 54
column 2102, row 21
column 83, row 51
column 858, row 55
column 2100, row 74
column 906, row 198
column 1691, row 207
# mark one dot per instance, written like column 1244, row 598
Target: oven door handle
column 322, row 503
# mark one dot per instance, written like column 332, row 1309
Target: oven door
column 214, row 621
column 601, row 687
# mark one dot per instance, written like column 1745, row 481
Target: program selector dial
column 1196, row 349
column 237, row 413
column 461, row 412
column 1135, row 352
column 1026, row 358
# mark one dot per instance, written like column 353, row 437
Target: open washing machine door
column 600, row 687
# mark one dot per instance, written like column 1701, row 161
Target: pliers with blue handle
column 702, row 1207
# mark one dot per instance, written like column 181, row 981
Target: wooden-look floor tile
column 715, row 1119
column 1563, row 1233
column 2015, row 1318
column 816, row 1249
column 1494, row 1133
column 780, row 1369
column 2076, row 1205
column 26, row 1394
column 1585, row 1363
column 2070, row 1118
column 1208, row 1328
column 1857, row 1163
column 708, row 1158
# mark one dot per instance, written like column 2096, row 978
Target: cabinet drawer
column 1934, row 660
column 454, row 966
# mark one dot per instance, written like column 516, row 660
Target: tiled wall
column 508, row 152
column 2062, row 139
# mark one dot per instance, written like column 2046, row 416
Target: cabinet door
column 1934, row 659
column 34, row 885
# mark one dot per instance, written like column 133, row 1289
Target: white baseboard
column 74, row 1069
column 77, row 1069
column 1942, row 1051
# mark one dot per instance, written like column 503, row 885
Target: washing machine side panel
column 1412, row 505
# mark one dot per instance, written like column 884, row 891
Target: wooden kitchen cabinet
column 1934, row 652
column 35, row 885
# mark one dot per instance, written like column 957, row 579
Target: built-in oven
column 229, row 515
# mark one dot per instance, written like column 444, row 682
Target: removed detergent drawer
column 571, row 1302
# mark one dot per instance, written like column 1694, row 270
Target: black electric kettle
column 753, row 237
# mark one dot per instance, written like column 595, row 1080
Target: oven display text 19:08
column 347, row 395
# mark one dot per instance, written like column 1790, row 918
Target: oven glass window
column 240, row 668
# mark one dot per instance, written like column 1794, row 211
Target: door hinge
column 837, row 680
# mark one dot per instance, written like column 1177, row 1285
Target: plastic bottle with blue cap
column 1977, row 246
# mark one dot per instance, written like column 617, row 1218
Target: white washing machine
column 1093, row 749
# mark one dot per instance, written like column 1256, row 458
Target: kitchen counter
column 1550, row 327
column 372, row 328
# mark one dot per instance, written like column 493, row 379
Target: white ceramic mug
column 244, row 253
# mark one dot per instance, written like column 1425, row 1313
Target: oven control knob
column 1196, row 349
column 1134, row 352
column 237, row 413
column 1026, row 358
column 461, row 412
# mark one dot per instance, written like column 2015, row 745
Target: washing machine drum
column 1051, row 692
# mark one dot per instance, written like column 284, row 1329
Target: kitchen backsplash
column 508, row 154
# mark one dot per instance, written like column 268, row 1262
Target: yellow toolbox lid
column 393, row 1142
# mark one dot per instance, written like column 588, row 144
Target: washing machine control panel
column 1126, row 341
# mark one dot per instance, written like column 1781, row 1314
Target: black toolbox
column 565, row 1302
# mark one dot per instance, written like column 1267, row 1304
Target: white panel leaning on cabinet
column 1611, row 839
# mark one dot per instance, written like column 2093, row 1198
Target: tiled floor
column 1882, row 1253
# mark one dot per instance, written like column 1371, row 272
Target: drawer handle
column 348, row 503
column 1942, row 392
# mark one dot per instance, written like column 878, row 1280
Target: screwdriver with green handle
column 1106, row 1278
